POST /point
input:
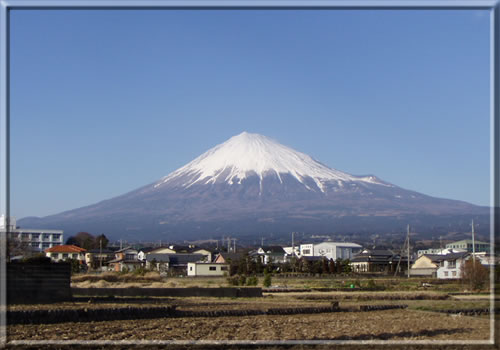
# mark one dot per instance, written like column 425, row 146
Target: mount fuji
column 251, row 184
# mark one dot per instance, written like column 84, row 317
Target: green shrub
column 252, row 281
column 233, row 281
column 242, row 281
column 267, row 280
column 139, row 271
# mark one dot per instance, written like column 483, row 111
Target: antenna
column 407, row 241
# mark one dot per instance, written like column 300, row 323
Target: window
column 212, row 268
column 56, row 237
column 45, row 245
column 306, row 251
column 452, row 264
column 65, row 255
column 129, row 256
column 446, row 273
column 190, row 268
column 223, row 268
column 454, row 273
column 35, row 236
column 55, row 255
column 74, row 256
column 45, row 237
column 35, row 244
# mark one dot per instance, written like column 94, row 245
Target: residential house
column 378, row 260
column 96, row 258
column 450, row 265
column 426, row 265
column 292, row 251
column 270, row 254
column 125, row 260
column 141, row 255
column 205, row 252
column 173, row 263
column 65, row 252
column 158, row 262
column 207, row 269
column 439, row 265
column 163, row 250
column 228, row 258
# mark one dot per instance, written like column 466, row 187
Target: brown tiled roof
column 65, row 249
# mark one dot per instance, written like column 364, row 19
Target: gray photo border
column 7, row 5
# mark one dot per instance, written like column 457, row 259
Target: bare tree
column 474, row 274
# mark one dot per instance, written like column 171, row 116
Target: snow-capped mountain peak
column 249, row 154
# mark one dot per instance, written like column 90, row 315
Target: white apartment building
column 36, row 239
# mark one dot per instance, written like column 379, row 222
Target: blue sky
column 103, row 102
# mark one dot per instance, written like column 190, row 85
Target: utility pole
column 228, row 244
column 100, row 254
column 408, row 234
column 293, row 244
column 473, row 247
column 234, row 245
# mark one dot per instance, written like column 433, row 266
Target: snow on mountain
column 249, row 154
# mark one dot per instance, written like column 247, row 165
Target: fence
column 38, row 282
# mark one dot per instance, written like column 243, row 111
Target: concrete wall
column 32, row 283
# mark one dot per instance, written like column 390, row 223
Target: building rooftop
column 467, row 241
column 65, row 249
column 442, row 257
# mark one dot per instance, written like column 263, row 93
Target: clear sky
column 103, row 102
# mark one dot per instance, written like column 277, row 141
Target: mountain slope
column 250, row 183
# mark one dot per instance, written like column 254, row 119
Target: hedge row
column 130, row 313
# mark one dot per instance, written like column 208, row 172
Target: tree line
column 88, row 241
column 248, row 265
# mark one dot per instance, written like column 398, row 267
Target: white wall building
column 36, row 239
column 206, row 269
column 331, row 250
column 450, row 265
column 438, row 251
column 337, row 250
column 306, row 250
